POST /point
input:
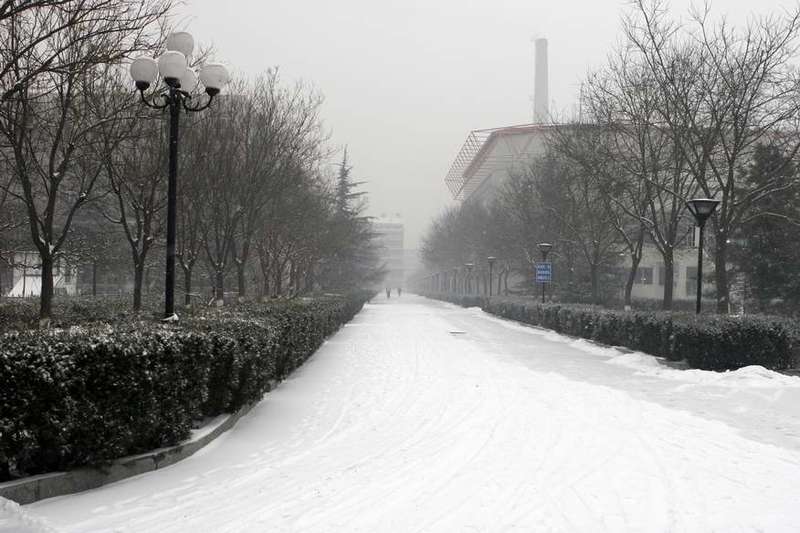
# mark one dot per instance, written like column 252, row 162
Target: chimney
column 540, row 97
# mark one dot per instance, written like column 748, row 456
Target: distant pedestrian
column 399, row 291
column 388, row 292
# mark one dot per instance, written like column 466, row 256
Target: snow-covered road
column 421, row 416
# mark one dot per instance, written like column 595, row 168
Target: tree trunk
column 721, row 274
column 46, row 295
column 669, row 279
column 138, row 281
column 219, row 288
column 593, row 270
column 294, row 279
column 278, row 281
column 241, row 271
column 310, row 282
column 187, row 286
column 635, row 261
column 94, row 278
column 263, row 263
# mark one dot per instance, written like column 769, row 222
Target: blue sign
column 544, row 272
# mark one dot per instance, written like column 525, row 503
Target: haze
column 406, row 81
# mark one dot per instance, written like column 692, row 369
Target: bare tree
column 135, row 177
column 593, row 147
column 726, row 91
column 282, row 136
column 52, row 113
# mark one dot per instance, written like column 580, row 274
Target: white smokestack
column 541, row 113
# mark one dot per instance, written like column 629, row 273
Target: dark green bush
column 707, row 342
column 86, row 395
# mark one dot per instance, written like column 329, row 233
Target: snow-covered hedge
column 709, row 342
column 89, row 394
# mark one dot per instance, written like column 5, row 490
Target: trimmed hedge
column 87, row 395
column 715, row 342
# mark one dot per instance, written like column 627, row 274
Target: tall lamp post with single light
column 179, row 81
column 701, row 208
column 491, row 260
column 468, row 279
column 545, row 248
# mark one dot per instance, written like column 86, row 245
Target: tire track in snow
column 395, row 425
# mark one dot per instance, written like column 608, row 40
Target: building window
column 644, row 276
column 67, row 272
column 691, row 280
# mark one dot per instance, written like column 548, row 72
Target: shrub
column 86, row 395
column 708, row 342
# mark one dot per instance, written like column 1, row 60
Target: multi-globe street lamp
column 702, row 209
column 545, row 248
column 491, row 260
column 180, row 81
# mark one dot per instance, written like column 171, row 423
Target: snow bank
column 15, row 519
column 754, row 376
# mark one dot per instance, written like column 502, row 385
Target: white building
column 24, row 276
column 489, row 157
column 389, row 232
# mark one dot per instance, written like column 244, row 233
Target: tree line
column 683, row 108
column 84, row 164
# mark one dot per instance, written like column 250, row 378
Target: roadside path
column 421, row 416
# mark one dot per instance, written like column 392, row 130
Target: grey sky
column 405, row 81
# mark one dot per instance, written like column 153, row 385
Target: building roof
column 479, row 156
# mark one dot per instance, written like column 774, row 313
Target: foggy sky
column 406, row 80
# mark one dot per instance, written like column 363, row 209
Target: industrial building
column 490, row 156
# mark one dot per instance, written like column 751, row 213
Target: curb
column 34, row 488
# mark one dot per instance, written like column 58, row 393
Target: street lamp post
column 491, row 260
column 545, row 248
column 179, row 83
column 468, row 279
column 701, row 208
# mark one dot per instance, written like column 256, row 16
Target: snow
column 15, row 519
column 396, row 424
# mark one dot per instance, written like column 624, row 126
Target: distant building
column 489, row 157
column 22, row 276
column 389, row 236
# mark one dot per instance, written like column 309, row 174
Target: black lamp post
column 179, row 83
column 491, row 260
column 545, row 248
column 701, row 208
column 468, row 279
